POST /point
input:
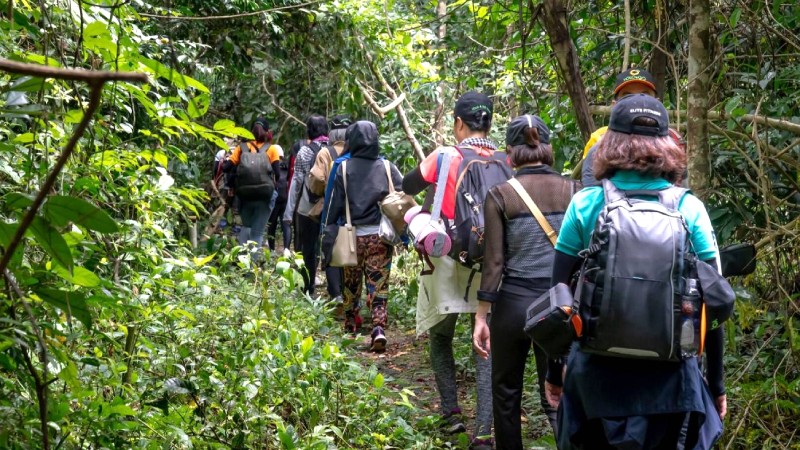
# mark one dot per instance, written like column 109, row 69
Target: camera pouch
column 552, row 322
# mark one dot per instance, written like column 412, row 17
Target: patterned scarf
column 479, row 142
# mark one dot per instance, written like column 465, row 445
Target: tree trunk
column 438, row 122
column 555, row 23
column 697, row 102
column 658, row 63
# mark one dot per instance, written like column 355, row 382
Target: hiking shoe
column 378, row 340
column 453, row 422
column 287, row 253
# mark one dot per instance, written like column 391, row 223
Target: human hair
column 533, row 150
column 657, row 156
column 337, row 135
column 297, row 146
column 260, row 134
column 482, row 124
column 316, row 126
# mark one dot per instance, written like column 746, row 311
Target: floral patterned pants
column 374, row 266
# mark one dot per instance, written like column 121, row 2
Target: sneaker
column 481, row 444
column 378, row 340
column 223, row 223
column 453, row 422
column 287, row 253
column 236, row 229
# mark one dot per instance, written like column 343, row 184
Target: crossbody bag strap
column 389, row 175
column 535, row 211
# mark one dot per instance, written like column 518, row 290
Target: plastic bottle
column 689, row 308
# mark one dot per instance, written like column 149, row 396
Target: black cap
column 473, row 106
column 718, row 295
column 263, row 122
column 515, row 133
column 631, row 107
column 340, row 121
column 634, row 75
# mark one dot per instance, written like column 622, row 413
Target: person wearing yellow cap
column 629, row 82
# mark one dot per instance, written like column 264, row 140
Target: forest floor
column 406, row 365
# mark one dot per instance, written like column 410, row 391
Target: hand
column 480, row 337
column 553, row 393
column 287, row 222
column 721, row 403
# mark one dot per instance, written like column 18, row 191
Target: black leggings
column 510, row 349
column 286, row 229
column 307, row 231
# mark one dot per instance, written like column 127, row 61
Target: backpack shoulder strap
column 346, row 199
column 535, row 211
column 264, row 148
column 244, row 147
column 441, row 184
column 671, row 197
column 612, row 193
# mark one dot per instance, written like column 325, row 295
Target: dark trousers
column 272, row 229
column 333, row 276
column 307, row 231
column 510, row 348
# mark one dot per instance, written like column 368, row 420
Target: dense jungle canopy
column 117, row 332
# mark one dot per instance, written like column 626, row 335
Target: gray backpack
column 633, row 275
column 254, row 174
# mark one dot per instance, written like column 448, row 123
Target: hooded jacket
column 367, row 183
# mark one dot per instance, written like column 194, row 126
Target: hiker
column 629, row 82
column 282, row 187
column 517, row 265
column 316, row 182
column 361, row 183
column 619, row 401
column 301, row 200
column 451, row 288
column 255, row 181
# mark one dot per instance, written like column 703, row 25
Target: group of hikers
column 498, row 232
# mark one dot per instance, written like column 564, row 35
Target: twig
column 96, row 81
column 40, row 381
column 231, row 16
column 781, row 124
column 276, row 105
column 626, row 55
column 401, row 112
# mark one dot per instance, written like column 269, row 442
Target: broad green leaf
column 25, row 138
column 7, row 231
column 379, row 381
column 72, row 303
column 80, row 276
column 176, row 78
column 202, row 262
column 306, row 345
column 61, row 209
column 52, row 242
column 28, row 84
column 39, row 59
column 17, row 201
column 161, row 158
column 223, row 124
column 97, row 37
column 198, row 106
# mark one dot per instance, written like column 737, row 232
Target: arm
column 493, row 255
column 301, row 166
column 336, row 207
column 715, row 373
column 413, row 183
column 276, row 171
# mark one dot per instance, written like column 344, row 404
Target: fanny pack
column 552, row 321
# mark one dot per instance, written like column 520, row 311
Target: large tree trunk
column 438, row 122
column 555, row 22
column 658, row 63
column 697, row 102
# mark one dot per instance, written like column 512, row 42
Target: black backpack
column 633, row 283
column 254, row 179
column 476, row 175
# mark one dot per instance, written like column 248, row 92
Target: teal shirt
column 581, row 216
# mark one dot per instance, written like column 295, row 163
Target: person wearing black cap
column 441, row 296
column 255, row 212
column 617, row 402
column 517, row 266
